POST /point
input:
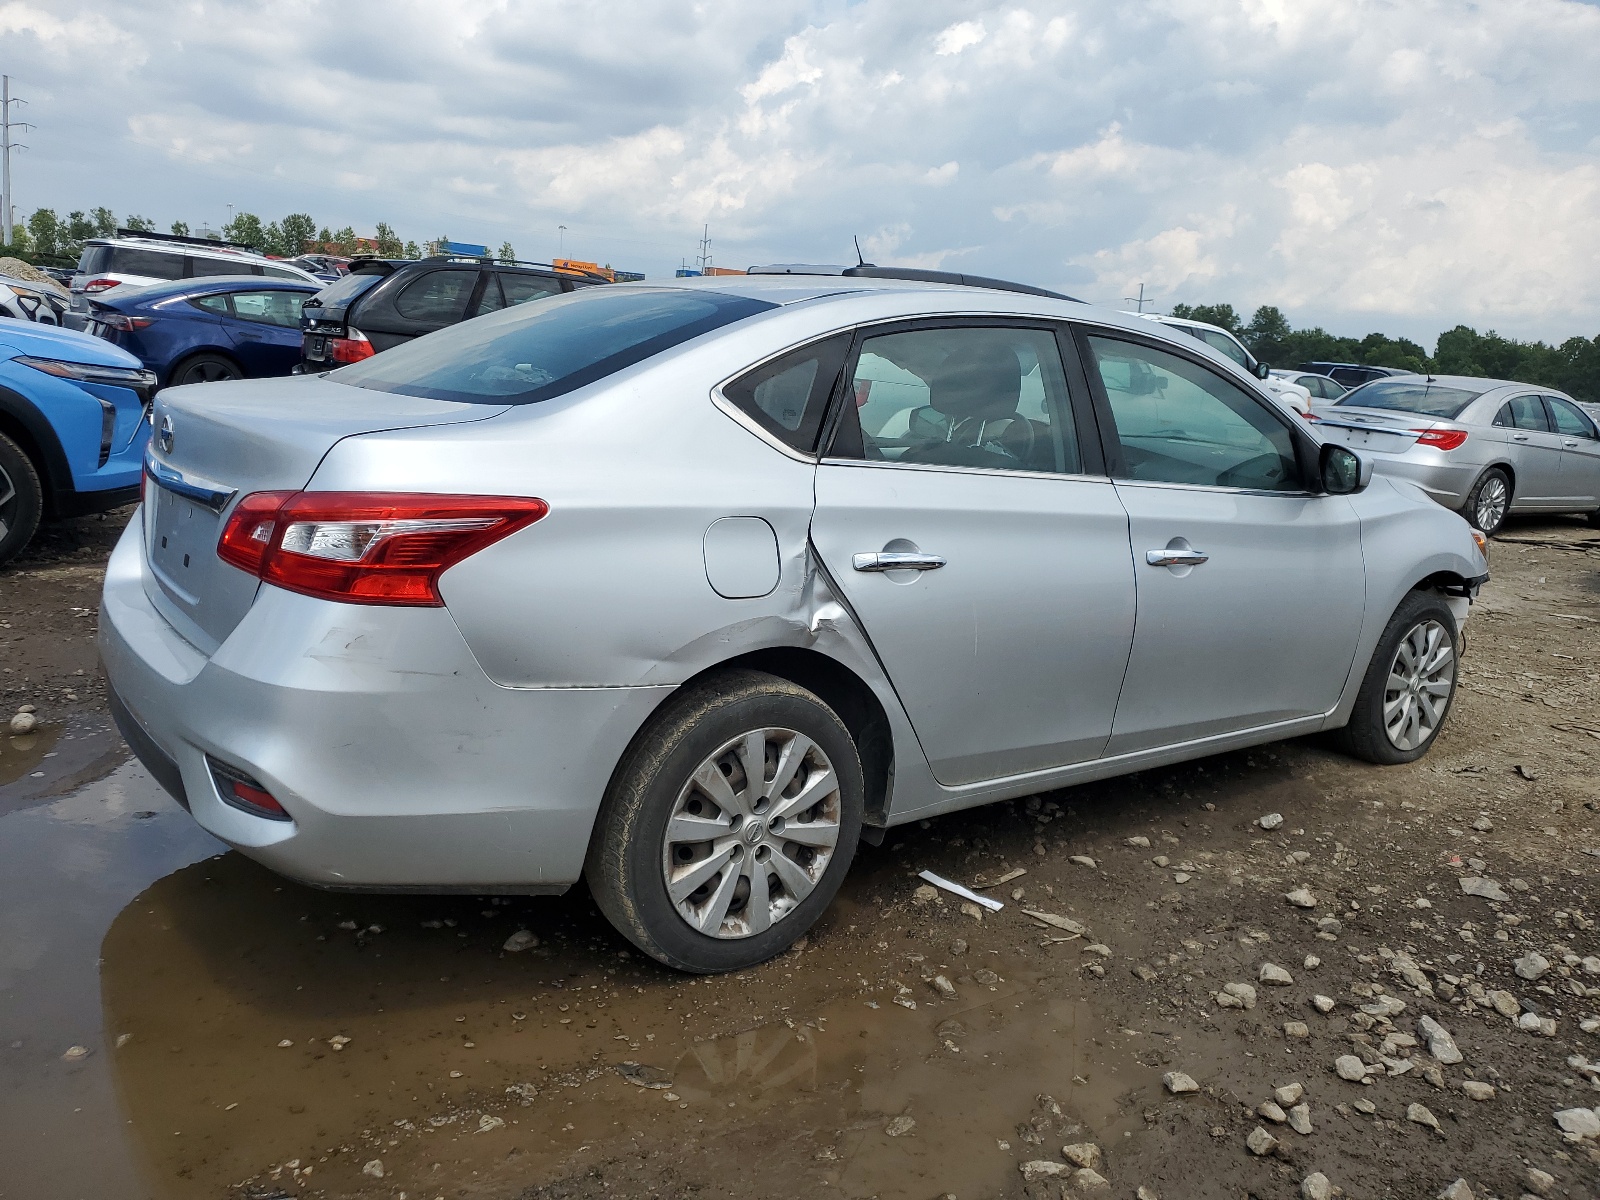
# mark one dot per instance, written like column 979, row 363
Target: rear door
column 523, row 286
column 1250, row 588
column 410, row 304
column 1535, row 451
column 968, row 521
column 1580, row 451
column 266, row 330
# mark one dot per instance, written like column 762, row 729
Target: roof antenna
column 860, row 258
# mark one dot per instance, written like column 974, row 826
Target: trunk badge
column 164, row 435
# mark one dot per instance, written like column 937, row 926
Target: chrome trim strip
column 203, row 492
column 880, row 463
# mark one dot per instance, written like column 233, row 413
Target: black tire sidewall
column 1417, row 607
column 1471, row 512
column 27, row 509
column 647, row 793
column 196, row 360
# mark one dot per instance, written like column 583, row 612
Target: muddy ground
column 253, row 1038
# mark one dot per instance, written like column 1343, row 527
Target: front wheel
column 729, row 825
column 205, row 368
column 1489, row 501
column 1409, row 685
column 21, row 499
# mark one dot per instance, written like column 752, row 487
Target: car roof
column 1469, row 383
column 1185, row 322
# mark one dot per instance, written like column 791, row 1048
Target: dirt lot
column 263, row 1040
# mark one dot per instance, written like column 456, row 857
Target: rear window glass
column 437, row 298
column 536, row 351
column 206, row 268
column 125, row 260
column 1410, row 395
column 339, row 295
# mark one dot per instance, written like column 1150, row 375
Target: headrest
column 985, row 381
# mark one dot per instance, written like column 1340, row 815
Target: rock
column 1350, row 1067
column 1487, row 889
column 925, row 894
column 1483, row 825
column 1591, row 964
column 1590, row 1025
column 519, row 941
column 1083, row 860
column 1578, row 1123
column 1274, row 975
column 1289, row 1093
column 1145, row 973
column 1504, row 1003
column 1270, row 821
column 1531, row 966
column 1098, row 948
column 1300, row 1118
column 1086, row 1179
column 959, row 947
column 74, row 1054
column 1533, row 1023
column 943, row 986
column 1301, row 898
column 1082, row 1154
column 1271, row 1112
column 1434, row 1075
column 1365, row 1107
column 1042, row 1168
column 1237, row 995
column 1146, row 1193
column 900, row 1126
column 1315, row 1186
column 1139, row 840
column 1457, row 1191
column 1178, row 1083
column 1440, row 1044
column 23, row 722
column 1420, row 1115
column 1473, row 1090
column 373, row 1168
column 1161, row 860
column 1296, row 1029
column 1539, row 1181
column 1384, row 1006
column 969, row 909
column 644, row 1076
column 1260, row 1141
column 1056, row 921
column 338, row 1041
column 1312, row 962
column 1323, row 1004
column 488, row 1123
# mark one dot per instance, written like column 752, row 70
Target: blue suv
column 74, row 421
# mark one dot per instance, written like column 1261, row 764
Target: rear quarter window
column 788, row 396
column 437, row 297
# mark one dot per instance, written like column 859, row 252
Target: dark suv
column 384, row 302
column 1351, row 374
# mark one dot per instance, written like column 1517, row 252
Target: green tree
column 180, row 228
column 105, row 222
column 389, row 243
column 143, row 224
column 344, row 240
column 247, row 230
column 1267, row 334
column 1212, row 314
column 507, row 254
column 296, row 231
column 412, row 250
column 20, row 245
column 44, row 228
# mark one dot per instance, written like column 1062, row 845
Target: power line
column 1138, row 300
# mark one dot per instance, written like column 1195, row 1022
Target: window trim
column 1505, row 406
column 1079, row 405
column 720, row 399
column 233, row 307
column 1306, row 450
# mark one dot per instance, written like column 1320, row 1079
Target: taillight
column 99, row 285
column 366, row 547
column 126, row 324
column 1441, row 439
column 242, row 792
column 350, row 349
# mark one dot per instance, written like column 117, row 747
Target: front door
column 1534, row 450
column 1250, row 588
column 983, row 550
column 1580, row 452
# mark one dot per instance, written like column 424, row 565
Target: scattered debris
column 1487, row 889
column 519, row 941
column 1260, row 1141
column 1178, row 1083
column 1270, row 821
column 956, row 889
column 644, row 1076
column 1066, row 924
column 900, row 1126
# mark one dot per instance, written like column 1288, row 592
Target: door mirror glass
column 1263, row 370
column 1344, row 472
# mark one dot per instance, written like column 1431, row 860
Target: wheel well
column 1448, row 582
column 42, row 462
column 842, row 690
column 1504, row 467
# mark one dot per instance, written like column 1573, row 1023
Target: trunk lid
column 1372, row 430
column 217, row 442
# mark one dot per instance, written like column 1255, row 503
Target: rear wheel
column 1409, row 685
column 1489, row 501
column 21, row 499
column 205, row 368
column 729, row 825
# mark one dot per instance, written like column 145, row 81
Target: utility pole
column 1139, row 301
column 704, row 258
column 6, row 145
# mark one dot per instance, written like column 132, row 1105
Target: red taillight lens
column 1441, row 439
column 126, row 324
column 99, row 285
column 350, row 349
column 366, row 547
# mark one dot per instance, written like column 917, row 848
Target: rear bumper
column 1444, row 481
column 400, row 763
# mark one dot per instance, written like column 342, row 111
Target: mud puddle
column 57, row 758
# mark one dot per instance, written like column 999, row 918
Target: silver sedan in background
column 686, row 589
column 1483, row 447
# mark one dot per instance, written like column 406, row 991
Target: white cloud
column 1363, row 165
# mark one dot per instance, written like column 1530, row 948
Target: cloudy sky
column 1362, row 164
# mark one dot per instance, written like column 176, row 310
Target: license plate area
column 316, row 346
column 181, row 540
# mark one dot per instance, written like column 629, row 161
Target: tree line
column 49, row 239
column 1573, row 366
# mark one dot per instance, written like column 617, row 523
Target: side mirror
column 1344, row 472
column 1263, row 370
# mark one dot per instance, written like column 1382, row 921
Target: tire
column 1368, row 736
column 204, row 368
column 702, row 730
column 21, row 500
column 1481, row 511
column 1593, row 518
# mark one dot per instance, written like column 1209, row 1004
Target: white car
column 1223, row 342
column 135, row 258
column 24, row 300
column 1321, row 387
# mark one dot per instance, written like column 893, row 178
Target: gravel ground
column 1277, row 973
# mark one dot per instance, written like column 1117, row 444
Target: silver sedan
column 685, row 590
column 1484, row 447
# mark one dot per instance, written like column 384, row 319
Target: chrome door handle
column 1175, row 558
column 1519, row 437
column 1570, row 444
column 895, row 560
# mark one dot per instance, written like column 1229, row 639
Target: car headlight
column 137, row 379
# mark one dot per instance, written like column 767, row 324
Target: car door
column 1534, row 450
column 969, row 524
column 1250, row 588
column 1580, row 451
column 266, row 329
column 415, row 304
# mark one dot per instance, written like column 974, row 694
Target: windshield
column 1410, row 395
column 547, row 347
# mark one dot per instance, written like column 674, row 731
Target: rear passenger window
column 277, row 307
column 204, row 267
column 789, row 395
column 522, row 288
column 1522, row 412
column 158, row 264
column 437, row 298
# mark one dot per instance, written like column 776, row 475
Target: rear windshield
column 339, row 294
column 547, row 347
column 1410, row 395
